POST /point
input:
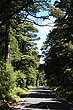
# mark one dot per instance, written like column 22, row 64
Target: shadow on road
column 51, row 106
column 42, row 98
column 41, row 95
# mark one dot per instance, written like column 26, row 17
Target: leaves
column 58, row 49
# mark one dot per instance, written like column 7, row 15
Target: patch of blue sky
column 43, row 31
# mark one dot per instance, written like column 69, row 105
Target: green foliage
column 29, row 65
column 9, row 9
column 59, row 51
column 14, row 93
column 14, row 47
column 31, row 87
column 24, row 56
column 56, row 12
column 64, row 92
column 20, row 79
column 42, row 76
column 17, row 92
column 7, row 80
column 20, row 65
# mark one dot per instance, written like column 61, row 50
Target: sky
column 43, row 31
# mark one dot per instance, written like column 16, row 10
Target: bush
column 18, row 92
column 65, row 92
column 7, row 80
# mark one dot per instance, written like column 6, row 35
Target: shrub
column 18, row 92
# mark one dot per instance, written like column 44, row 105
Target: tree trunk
column 27, row 82
column 37, row 78
column 7, row 44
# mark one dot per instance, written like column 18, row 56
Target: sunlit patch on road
column 43, row 99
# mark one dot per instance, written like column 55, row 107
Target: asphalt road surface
column 43, row 99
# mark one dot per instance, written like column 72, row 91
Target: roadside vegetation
column 58, row 50
column 66, row 93
column 20, row 69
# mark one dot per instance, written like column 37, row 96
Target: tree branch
column 33, row 21
column 40, row 17
column 17, row 11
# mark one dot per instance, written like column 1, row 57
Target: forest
column 20, row 69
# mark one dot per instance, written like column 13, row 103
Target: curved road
column 43, row 99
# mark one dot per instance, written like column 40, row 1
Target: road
column 43, row 99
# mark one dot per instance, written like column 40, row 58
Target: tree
column 24, row 56
column 59, row 60
column 12, row 11
column 30, row 7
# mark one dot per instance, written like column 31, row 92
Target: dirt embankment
column 13, row 104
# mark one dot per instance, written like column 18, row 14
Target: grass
column 31, row 87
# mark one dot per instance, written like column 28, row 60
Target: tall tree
column 59, row 60
column 9, row 11
column 24, row 55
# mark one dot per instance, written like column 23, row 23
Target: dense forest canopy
column 19, row 62
column 59, row 58
column 19, row 58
